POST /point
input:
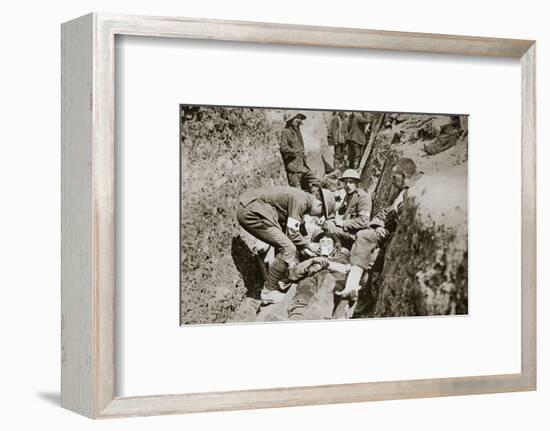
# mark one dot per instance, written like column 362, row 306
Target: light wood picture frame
column 88, row 214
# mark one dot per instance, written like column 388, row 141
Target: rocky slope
column 224, row 151
column 425, row 269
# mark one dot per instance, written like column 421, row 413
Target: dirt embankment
column 425, row 269
column 224, row 152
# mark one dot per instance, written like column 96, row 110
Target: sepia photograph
column 308, row 214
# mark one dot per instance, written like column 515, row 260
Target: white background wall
column 29, row 225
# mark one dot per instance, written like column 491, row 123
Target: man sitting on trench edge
column 354, row 213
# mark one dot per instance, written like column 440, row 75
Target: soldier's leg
column 253, row 223
column 285, row 255
column 358, row 154
column 337, row 156
column 351, row 154
column 346, row 239
column 347, row 153
column 304, row 292
column 309, row 179
column 314, row 299
column 367, row 241
column 294, row 179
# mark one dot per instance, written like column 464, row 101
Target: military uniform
column 379, row 228
column 356, row 216
column 314, row 297
column 292, row 150
column 357, row 138
column 337, row 138
column 274, row 215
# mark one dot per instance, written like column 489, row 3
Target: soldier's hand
column 314, row 247
column 322, row 261
column 338, row 221
column 314, row 269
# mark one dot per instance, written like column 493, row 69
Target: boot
column 277, row 272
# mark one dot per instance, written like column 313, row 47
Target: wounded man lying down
column 318, row 279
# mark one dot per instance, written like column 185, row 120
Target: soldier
column 379, row 228
column 354, row 213
column 345, row 131
column 337, row 137
column 358, row 138
column 292, row 150
column 274, row 215
column 318, row 278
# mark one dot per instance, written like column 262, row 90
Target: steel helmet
column 351, row 174
column 290, row 115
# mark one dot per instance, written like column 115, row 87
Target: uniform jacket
column 292, row 150
column 387, row 216
column 357, row 132
column 356, row 211
column 283, row 207
column 346, row 126
column 337, row 131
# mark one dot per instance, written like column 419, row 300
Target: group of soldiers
column 336, row 249
column 349, row 134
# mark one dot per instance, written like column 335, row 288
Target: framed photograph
column 265, row 215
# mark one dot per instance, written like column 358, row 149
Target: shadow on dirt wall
column 250, row 265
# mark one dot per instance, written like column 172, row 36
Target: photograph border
column 88, row 203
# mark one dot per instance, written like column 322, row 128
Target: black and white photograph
column 301, row 214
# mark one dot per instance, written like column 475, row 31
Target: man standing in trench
column 379, row 228
column 292, row 150
column 274, row 215
column 354, row 213
column 358, row 138
column 337, row 137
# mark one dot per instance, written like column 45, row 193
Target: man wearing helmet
column 379, row 227
column 274, row 215
column 292, row 150
column 354, row 213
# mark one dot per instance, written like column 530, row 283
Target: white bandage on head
column 293, row 224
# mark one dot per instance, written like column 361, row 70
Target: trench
column 424, row 268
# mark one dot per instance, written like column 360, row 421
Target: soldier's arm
column 363, row 119
column 389, row 212
column 298, row 207
column 342, row 268
column 304, row 269
column 363, row 219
